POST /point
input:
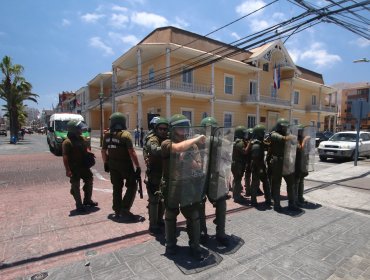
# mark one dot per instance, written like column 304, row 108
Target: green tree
column 14, row 90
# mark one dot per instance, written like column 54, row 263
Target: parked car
column 323, row 136
column 343, row 144
column 3, row 130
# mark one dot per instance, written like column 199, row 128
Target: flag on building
column 276, row 77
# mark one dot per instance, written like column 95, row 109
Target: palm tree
column 14, row 90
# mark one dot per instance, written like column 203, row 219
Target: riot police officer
column 248, row 170
column 258, row 167
column 153, row 159
column 279, row 141
column 238, row 162
column 119, row 159
column 74, row 148
column 216, row 189
column 301, row 164
column 182, row 183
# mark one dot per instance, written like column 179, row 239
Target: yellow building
column 175, row 71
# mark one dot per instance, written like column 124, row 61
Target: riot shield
column 290, row 150
column 308, row 159
column 188, row 168
column 220, row 163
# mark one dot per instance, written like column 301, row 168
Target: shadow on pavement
column 189, row 265
column 235, row 243
column 87, row 211
column 126, row 220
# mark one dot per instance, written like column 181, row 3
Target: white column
column 212, row 100
column 113, row 90
column 168, row 105
column 258, row 86
column 258, row 114
column 138, row 56
column 168, row 68
column 139, row 110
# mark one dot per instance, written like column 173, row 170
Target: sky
column 62, row 45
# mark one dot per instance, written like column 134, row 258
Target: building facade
column 175, row 71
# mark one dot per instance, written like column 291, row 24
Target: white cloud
column 96, row 42
column 362, row 42
column 181, row 23
column 249, row 6
column 66, row 22
column 235, row 35
column 319, row 56
column 258, row 25
column 118, row 20
column 130, row 39
column 91, row 18
column 149, row 20
column 119, row 8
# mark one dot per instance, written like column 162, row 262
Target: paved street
column 41, row 235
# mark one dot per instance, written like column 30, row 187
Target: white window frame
column 151, row 74
column 187, row 76
column 251, row 116
column 296, row 95
column 314, row 100
column 191, row 110
column 232, row 118
column 232, row 85
column 253, row 87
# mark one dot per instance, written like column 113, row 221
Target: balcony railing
column 174, row 86
column 321, row 108
column 252, row 98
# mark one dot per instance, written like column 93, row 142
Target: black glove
column 106, row 167
column 138, row 172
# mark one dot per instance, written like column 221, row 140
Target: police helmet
column 74, row 126
column 240, row 132
column 160, row 120
column 117, row 121
column 259, row 131
column 179, row 120
column 249, row 133
column 209, row 121
column 281, row 123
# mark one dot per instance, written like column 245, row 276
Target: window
column 228, row 119
column 251, row 121
column 229, row 81
column 151, row 74
column 295, row 121
column 253, row 87
column 313, row 100
column 265, row 67
column 296, row 97
column 189, row 114
column 187, row 75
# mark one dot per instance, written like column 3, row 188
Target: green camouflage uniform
column 121, row 168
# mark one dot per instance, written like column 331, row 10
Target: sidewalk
column 329, row 240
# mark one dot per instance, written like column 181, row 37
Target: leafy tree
column 14, row 90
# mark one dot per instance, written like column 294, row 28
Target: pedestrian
column 258, row 167
column 153, row 160
column 183, row 179
column 121, row 161
column 281, row 142
column 137, row 135
column 239, row 157
column 302, row 163
column 216, row 188
column 74, row 147
column 142, row 135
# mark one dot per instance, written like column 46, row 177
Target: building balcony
column 321, row 108
column 265, row 100
column 174, row 86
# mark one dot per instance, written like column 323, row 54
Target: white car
column 343, row 144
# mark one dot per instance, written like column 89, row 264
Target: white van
column 57, row 130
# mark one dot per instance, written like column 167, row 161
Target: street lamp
column 101, row 95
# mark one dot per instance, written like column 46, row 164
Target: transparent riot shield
column 220, row 163
column 188, row 168
column 290, row 150
column 308, row 145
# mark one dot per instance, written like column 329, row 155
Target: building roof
column 310, row 75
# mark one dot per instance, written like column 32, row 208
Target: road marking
column 103, row 190
column 98, row 175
